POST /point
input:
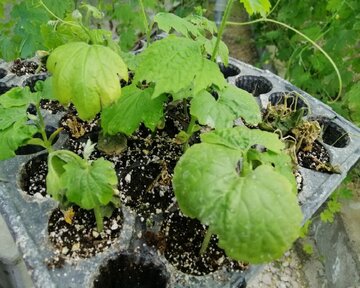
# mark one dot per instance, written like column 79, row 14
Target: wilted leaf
column 87, row 76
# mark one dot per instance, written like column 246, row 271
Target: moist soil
column 80, row 238
column 24, row 67
column 315, row 158
column 181, row 247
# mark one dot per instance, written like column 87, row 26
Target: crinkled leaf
column 281, row 162
column 203, row 23
column 56, row 162
column 168, row 21
column 256, row 216
column 134, row 106
column 89, row 185
column 257, row 6
column 13, row 137
column 96, row 13
column 241, row 103
column 10, row 116
column 262, row 221
column 243, row 138
column 87, row 76
column 211, row 112
column 208, row 75
column 18, row 97
column 231, row 104
column 174, row 64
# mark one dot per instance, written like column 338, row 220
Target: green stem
column 56, row 17
column 222, row 28
column 246, row 166
column 99, row 219
column 191, row 125
column 66, row 22
column 146, row 22
column 274, row 7
column 305, row 37
column 206, row 241
column 42, row 128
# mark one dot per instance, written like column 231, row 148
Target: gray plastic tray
column 27, row 217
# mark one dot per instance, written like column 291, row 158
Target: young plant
column 15, row 129
column 71, row 180
column 246, row 196
column 89, row 184
column 176, row 69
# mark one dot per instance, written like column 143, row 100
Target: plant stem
column 206, row 241
column 305, row 37
column 42, row 128
column 99, row 219
column 146, row 22
column 222, row 28
column 56, row 17
column 66, row 22
column 191, row 125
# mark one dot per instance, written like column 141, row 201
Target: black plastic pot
column 130, row 259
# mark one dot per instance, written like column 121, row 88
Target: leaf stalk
column 206, row 241
column 146, row 22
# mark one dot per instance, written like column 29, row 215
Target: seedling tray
column 27, row 217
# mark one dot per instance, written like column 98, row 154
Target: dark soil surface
column 24, row 67
column 33, row 177
column 181, row 244
column 315, row 158
column 80, row 239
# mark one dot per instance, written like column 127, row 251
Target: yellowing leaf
column 69, row 215
column 87, row 76
column 257, row 6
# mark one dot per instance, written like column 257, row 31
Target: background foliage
column 335, row 26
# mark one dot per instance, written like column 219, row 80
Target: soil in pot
column 80, row 238
column 315, row 158
column 33, row 177
column 24, row 67
column 180, row 241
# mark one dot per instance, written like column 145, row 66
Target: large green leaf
column 243, row 138
column 211, row 112
column 135, row 106
column 168, row 21
column 174, row 64
column 262, row 222
column 255, row 216
column 257, row 6
column 87, row 76
column 232, row 103
column 91, row 185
